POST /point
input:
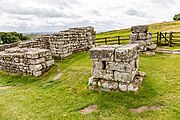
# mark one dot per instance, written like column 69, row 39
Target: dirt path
column 89, row 109
column 5, row 87
column 144, row 108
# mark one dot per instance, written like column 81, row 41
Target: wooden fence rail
column 160, row 38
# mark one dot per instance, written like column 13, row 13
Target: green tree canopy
column 176, row 17
column 11, row 37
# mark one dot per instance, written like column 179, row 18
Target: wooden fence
column 159, row 38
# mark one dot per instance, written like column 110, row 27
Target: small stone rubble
column 33, row 61
column 115, row 68
column 141, row 36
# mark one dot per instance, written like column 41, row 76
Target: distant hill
column 163, row 26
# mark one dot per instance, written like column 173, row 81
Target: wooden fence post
column 160, row 38
column 170, row 38
column 119, row 40
column 165, row 37
column 105, row 41
column 157, row 38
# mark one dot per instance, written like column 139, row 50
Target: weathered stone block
column 37, row 73
column 108, row 85
column 105, row 74
column 126, row 53
column 123, row 77
column 139, row 29
column 35, row 67
column 132, row 87
column 123, row 87
column 133, row 37
column 102, row 54
column 97, row 65
column 49, row 63
column 142, row 36
column 121, row 66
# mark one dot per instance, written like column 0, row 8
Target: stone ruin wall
column 35, row 57
column 65, row 43
column 7, row 46
column 115, row 68
column 32, row 61
column 141, row 36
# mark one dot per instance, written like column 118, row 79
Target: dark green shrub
column 11, row 37
column 176, row 17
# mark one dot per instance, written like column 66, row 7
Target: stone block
column 126, row 53
column 123, row 77
column 108, row 85
column 121, row 66
column 139, row 29
column 97, row 65
column 92, row 81
column 37, row 73
column 132, row 87
column 102, row 54
column 152, row 47
column 133, row 37
column 49, row 63
column 123, row 87
column 104, row 74
column 142, row 36
column 35, row 67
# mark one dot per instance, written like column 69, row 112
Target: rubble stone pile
column 32, row 61
column 141, row 36
column 115, row 68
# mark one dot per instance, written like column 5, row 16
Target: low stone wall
column 64, row 43
column 115, row 68
column 141, row 36
column 6, row 46
column 37, row 43
column 35, row 56
column 33, row 61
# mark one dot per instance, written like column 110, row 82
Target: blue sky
column 104, row 15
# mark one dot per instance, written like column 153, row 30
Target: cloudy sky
column 54, row 15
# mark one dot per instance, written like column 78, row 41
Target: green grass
column 46, row 99
column 157, row 27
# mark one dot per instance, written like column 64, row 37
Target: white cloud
column 55, row 15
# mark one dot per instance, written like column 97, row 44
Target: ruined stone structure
column 115, row 68
column 35, row 56
column 65, row 43
column 6, row 46
column 33, row 61
column 141, row 36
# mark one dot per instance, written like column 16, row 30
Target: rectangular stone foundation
column 115, row 68
column 33, row 61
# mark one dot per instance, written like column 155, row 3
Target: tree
column 11, row 37
column 176, row 17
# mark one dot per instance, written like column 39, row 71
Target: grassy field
column 46, row 99
column 157, row 27
column 153, row 28
column 43, row 98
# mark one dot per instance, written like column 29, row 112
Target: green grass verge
column 46, row 99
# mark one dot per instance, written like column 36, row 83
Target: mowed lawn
column 43, row 98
